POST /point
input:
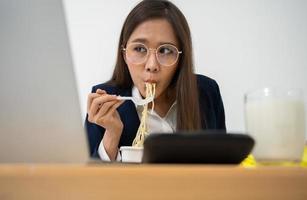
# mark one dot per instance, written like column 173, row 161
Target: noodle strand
column 142, row 131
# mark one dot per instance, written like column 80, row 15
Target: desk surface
column 113, row 181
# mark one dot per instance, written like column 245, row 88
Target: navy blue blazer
column 211, row 107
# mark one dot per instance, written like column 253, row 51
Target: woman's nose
column 152, row 64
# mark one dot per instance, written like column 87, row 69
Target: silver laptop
column 40, row 117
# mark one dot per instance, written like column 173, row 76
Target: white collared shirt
column 155, row 124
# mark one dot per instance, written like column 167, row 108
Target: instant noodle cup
column 131, row 154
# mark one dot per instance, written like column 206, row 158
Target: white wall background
column 243, row 44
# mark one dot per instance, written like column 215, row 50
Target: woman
column 154, row 47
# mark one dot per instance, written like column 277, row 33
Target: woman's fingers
column 98, row 102
column 101, row 106
column 105, row 107
column 110, row 107
column 90, row 99
column 92, row 96
column 113, row 108
column 105, row 116
column 100, row 91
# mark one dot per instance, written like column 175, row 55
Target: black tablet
column 212, row 147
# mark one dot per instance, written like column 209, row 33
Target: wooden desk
column 124, row 182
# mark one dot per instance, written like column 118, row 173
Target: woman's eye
column 140, row 49
column 165, row 50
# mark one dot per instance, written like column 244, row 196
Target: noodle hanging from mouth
column 142, row 131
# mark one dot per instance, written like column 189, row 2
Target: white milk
column 277, row 125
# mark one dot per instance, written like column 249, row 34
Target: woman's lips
column 150, row 81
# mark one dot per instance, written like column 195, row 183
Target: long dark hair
column 184, row 80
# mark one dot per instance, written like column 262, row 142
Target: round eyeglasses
column 166, row 54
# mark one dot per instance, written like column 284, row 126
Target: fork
column 139, row 102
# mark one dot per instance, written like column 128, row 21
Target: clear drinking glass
column 275, row 117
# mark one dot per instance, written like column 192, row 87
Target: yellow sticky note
column 250, row 161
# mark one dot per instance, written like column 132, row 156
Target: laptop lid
column 40, row 117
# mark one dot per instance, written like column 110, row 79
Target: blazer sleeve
column 219, row 108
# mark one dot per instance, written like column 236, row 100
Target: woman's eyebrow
column 145, row 41
column 141, row 40
column 161, row 43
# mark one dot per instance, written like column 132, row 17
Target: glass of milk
column 275, row 117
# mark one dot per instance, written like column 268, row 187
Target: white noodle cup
column 131, row 154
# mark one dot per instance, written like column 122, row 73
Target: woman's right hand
column 101, row 109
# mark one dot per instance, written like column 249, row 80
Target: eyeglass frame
column 155, row 49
